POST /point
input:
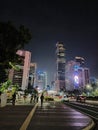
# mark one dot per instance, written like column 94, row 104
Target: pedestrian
column 0, row 97
column 37, row 98
column 24, row 96
column 13, row 99
column 34, row 98
column 42, row 99
column 31, row 98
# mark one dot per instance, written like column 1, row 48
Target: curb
column 90, row 125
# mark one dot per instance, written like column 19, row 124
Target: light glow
column 76, row 79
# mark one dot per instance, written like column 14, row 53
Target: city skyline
column 73, row 23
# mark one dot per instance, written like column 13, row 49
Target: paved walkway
column 92, row 102
column 58, row 116
column 12, row 117
column 53, row 115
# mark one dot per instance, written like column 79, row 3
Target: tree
column 11, row 40
column 5, row 85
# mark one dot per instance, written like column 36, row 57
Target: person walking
column 31, row 98
column 24, row 96
column 42, row 98
column 37, row 98
column 13, row 99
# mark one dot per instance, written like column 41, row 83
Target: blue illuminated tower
column 60, row 63
column 42, row 80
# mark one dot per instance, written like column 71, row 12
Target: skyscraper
column 77, row 75
column 80, row 61
column 60, row 65
column 21, row 77
column 42, row 80
column 32, row 75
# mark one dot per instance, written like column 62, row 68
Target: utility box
column 3, row 100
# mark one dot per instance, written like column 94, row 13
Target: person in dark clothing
column 37, row 98
column 31, row 98
column 13, row 99
column 42, row 98
column 34, row 98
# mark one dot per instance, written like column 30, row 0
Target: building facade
column 21, row 77
column 42, row 80
column 32, row 76
column 60, row 67
column 77, row 75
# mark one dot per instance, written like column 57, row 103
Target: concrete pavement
column 53, row 115
column 12, row 117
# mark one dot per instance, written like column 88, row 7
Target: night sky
column 75, row 23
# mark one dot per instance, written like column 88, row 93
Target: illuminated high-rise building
column 21, row 77
column 77, row 75
column 32, row 75
column 60, row 65
column 42, row 80
column 80, row 61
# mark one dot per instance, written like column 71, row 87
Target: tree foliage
column 11, row 40
column 5, row 85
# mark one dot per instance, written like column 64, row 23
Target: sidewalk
column 12, row 117
column 21, row 101
column 55, row 115
column 86, row 101
column 92, row 102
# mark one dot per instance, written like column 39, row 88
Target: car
column 65, row 98
column 81, row 98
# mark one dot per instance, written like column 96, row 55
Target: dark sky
column 75, row 23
